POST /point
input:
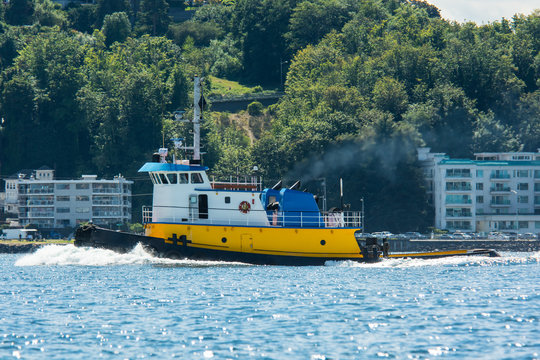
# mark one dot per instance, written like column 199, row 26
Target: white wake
column 87, row 256
column 506, row 258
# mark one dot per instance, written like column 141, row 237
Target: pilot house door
column 203, row 206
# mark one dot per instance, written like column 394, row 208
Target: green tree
column 116, row 28
column 51, row 63
column 49, row 13
column 311, row 20
column 19, row 12
column 201, row 33
column 81, row 17
column 153, row 17
column 19, row 111
column 491, row 135
column 390, row 95
column 255, row 108
column 261, row 25
column 106, row 7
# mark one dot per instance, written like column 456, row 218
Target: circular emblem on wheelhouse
column 244, row 207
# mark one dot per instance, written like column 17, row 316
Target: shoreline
column 24, row 246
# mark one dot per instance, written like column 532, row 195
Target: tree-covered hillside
column 91, row 88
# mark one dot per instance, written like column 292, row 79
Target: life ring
column 244, row 207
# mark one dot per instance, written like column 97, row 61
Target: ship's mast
column 197, row 102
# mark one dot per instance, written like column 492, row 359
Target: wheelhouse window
column 183, row 178
column 155, row 178
column 196, row 178
column 163, row 178
column 172, row 178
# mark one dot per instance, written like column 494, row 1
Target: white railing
column 276, row 219
column 253, row 183
column 146, row 214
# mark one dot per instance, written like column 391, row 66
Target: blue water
column 64, row 302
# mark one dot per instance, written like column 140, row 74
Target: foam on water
column 505, row 259
column 87, row 256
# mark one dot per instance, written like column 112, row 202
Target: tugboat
column 193, row 216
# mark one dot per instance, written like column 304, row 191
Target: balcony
column 459, row 215
column 106, row 203
column 458, row 201
column 458, row 188
column 40, row 191
column 500, row 176
column 107, row 213
column 500, row 203
column 41, row 215
column 40, row 203
column 505, row 189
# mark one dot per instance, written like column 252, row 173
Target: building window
column 523, row 199
column 82, row 198
column 499, row 187
column 62, row 198
column 458, row 212
column 452, row 173
column 458, row 225
column 62, row 223
column 523, row 224
column 500, row 200
column 458, row 199
column 480, row 199
column 521, row 173
column 458, row 186
column 500, row 174
column 62, row 210
column 62, row 186
column 82, row 210
column 479, row 173
column 479, row 186
column 523, row 211
column 82, row 186
column 523, row 186
column 537, row 174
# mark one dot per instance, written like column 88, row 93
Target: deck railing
column 301, row 219
column 239, row 182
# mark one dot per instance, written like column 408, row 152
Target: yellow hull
column 304, row 242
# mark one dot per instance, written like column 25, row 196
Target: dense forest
column 91, row 88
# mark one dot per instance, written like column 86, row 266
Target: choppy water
column 64, row 302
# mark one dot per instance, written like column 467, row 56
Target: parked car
column 414, row 235
column 383, row 234
column 461, row 236
column 527, row 236
column 494, row 235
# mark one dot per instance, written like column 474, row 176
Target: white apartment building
column 494, row 192
column 37, row 198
